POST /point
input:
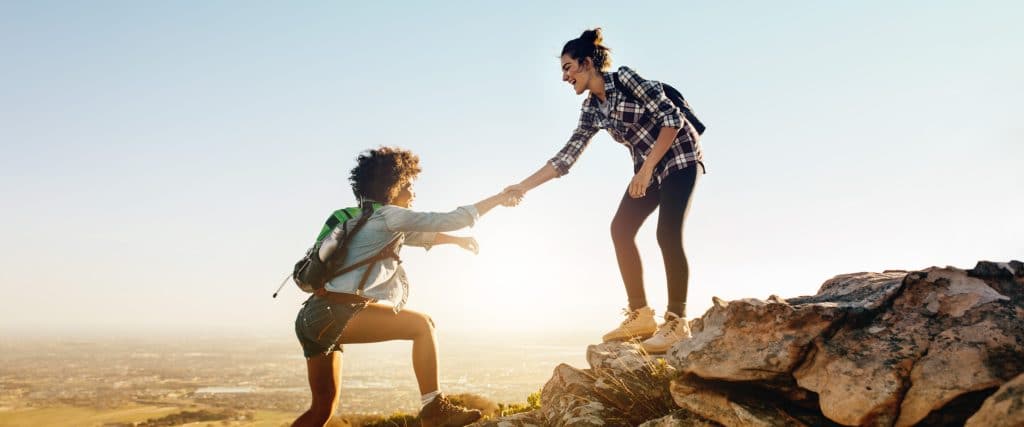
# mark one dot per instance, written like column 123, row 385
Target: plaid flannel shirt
column 634, row 125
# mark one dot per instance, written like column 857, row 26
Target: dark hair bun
column 590, row 44
column 593, row 37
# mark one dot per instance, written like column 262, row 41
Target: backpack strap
column 367, row 212
column 672, row 94
column 630, row 96
column 389, row 251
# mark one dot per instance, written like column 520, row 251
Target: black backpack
column 311, row 273
column 673, row 94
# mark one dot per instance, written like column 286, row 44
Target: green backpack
column 311, row 273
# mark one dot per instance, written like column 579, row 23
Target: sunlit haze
column 165, row 164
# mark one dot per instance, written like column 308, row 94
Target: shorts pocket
column 318, row 322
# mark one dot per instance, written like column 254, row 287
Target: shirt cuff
column 474, row 215
column 561, row 168
column 670, row 120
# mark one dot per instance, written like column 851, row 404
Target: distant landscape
column 235, row 381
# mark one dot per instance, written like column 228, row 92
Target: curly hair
column 381, row 173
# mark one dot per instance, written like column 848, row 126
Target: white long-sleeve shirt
column 387, row 280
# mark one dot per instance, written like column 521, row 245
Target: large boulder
column 945, row 335
column 755, row 340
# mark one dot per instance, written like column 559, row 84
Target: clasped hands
column 637, row 188
column 514, row 195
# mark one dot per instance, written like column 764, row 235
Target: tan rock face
column 945, row 335
column 960, row 360
column 619, row 357
column 854, row 386
column 752, row 340
column 1005, row 408
column 881, row 349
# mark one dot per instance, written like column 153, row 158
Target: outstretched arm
column 406, row 220
column 563, row 160
column 429, row 239
column 544, row 174
column 467, row 243
column 503, row 198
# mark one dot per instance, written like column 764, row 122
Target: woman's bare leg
column 379, row 322
column 324, row 373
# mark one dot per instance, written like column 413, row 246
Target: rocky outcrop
column 621, row 387
column 897, row 348
column 945, row 335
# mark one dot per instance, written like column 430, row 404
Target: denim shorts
column 320, row 323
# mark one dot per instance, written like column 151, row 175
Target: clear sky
column 164, row 164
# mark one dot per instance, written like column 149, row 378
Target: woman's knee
column 323, row 405
column 422, row 324
column 622, row 231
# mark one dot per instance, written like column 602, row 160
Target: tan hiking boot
column 674, row 330
column 639, row 324
column 441, row 412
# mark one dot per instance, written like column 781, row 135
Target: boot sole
column 655, row 351
column 622, row 338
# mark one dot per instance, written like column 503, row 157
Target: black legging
column 673, row 201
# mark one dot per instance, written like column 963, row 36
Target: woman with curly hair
column 347, row 309
column 666, row 152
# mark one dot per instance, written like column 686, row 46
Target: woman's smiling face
column 576, row 74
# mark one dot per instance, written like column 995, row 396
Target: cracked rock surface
column 939, row 346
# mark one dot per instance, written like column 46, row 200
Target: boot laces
column 670, row 326
column 630, row 315
column 447, row 407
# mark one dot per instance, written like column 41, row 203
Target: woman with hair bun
column 665, row 148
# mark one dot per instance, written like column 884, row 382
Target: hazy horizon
column 83, row 382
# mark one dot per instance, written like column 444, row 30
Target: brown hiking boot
column 441, row 412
